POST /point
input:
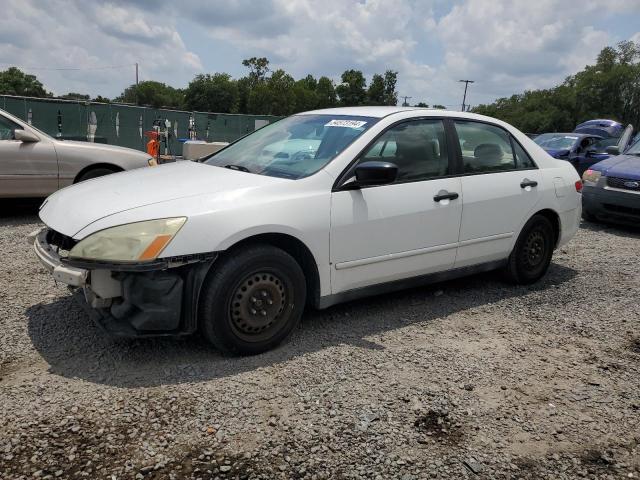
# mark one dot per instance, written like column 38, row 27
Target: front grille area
column 617, row 182
column 621, row 209
column 60, row 240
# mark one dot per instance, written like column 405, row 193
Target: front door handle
column 444, row 195
column 528, row 183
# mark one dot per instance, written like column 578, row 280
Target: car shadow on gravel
column 75, row 348
column 620, row 230
column 10, row 208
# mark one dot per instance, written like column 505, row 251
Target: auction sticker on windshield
column 346, row 123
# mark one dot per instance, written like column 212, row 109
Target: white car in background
column 33, row 164
column 381, row 198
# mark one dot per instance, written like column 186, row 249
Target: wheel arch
column 554, row 218
column 298, row 250
column 93, row 166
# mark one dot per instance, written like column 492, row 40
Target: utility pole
column 464, row 98
column 136, row 83
column 405, row 103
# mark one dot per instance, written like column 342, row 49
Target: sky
column 505, row 46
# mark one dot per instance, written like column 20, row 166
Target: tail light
column 579, row 186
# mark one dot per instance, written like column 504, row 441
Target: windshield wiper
column 239, row 168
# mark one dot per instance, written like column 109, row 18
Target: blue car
column 615, row 138
column 611, row 189
column 573, row 147
column 590, row 142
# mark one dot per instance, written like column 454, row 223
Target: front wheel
column 531, row 256
column 252, row 299
column 94, row 173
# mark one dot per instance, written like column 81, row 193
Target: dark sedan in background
column 611, row 189
column 589, row 143
column 576, row 148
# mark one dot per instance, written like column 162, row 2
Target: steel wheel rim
column 534, row 249
column 257, row 306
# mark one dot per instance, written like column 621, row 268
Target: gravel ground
column 466, row 379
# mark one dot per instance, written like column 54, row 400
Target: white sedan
column 315, row 209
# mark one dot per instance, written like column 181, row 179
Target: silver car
column 33, row 164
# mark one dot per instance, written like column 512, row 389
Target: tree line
column 260, row 92
column 608, row 89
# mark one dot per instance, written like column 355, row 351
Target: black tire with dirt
column 531, row 256
column 94, row 173
column 252, row 299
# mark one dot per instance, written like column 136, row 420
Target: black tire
column 94, row 173
column 251, row 300
column 531, row 256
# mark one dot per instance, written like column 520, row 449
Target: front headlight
column 140, row 241
column 152, row 161
column 591, row 176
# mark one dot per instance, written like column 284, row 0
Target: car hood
column 72, row 209
column 622, row 166
column 557, row 153
column 62, row 145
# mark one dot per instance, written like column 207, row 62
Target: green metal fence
column 125, row 125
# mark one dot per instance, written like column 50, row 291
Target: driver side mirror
column 613, row 150
column 375, row 173
column 24, row 136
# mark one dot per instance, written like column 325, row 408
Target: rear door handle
column 444, row 195
column 528, row 183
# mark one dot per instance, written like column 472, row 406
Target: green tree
column 326, row 93
column 259, row 100
column 154, row 94
column 244, row 90
column 306, row 97
column 212, row 93
column 375, row 94
column 101, row 99
column 421, row 105
column 258, row 68
column 390, row 93
column 75, row 96
column 283, row 98
column 14, row 81
column 441, row 107
column 352, row 91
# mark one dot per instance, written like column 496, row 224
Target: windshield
column 634, row 149
column 601, row 145
column 293, row 147
column 554, row 141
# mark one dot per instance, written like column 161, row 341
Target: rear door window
column 488, row 148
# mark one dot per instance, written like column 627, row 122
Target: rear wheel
column 252, row 300
column 95, row 173
column 532, row 253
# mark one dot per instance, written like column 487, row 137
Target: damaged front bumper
column 132, row 299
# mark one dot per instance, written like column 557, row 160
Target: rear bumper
column 612, row 205
column 129, row 301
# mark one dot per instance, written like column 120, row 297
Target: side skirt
column 405, row 283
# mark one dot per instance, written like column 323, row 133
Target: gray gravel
column 466, row 379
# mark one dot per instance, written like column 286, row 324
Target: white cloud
column 88, row 36
column 505, row 45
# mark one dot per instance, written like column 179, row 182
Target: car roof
column 571, row 134
column 385, row 111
